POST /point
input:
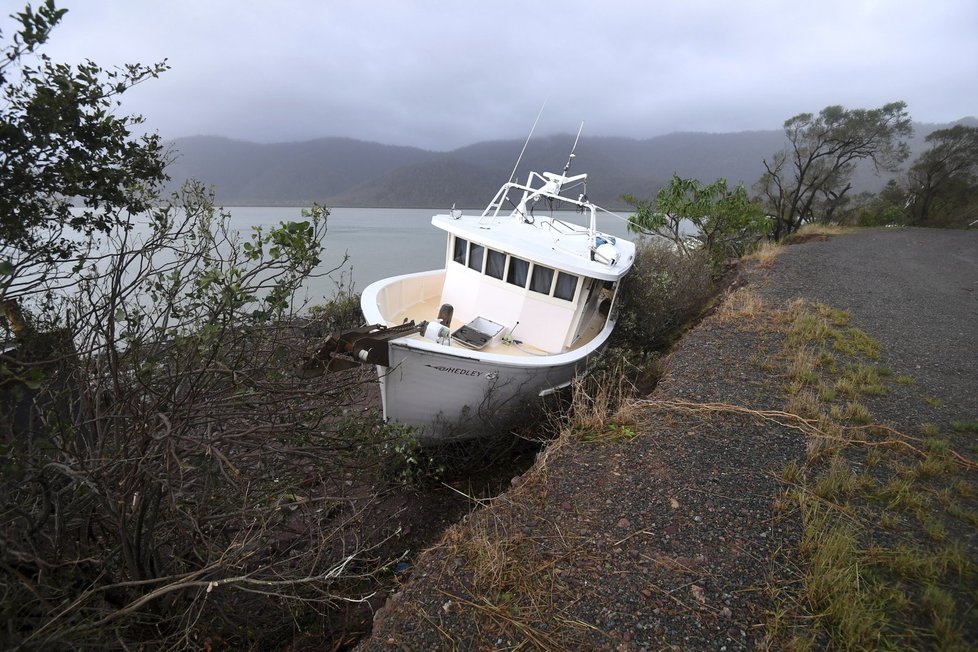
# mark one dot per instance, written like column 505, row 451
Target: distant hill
column 347, row 172
column 300, row 173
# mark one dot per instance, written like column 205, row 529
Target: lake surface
column 379, row 242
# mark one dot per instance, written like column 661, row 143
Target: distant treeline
column 346, row 172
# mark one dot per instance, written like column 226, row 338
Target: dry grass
column 506, row 581
column 742, row 304
column 809, row 230
column 835, row 582
column 805, row 404
column 765, row 254
column 859, row 587
column 513, row 585
column 601, row 409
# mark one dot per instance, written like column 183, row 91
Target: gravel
column 674, row 538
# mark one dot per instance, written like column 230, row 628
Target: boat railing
column 551, row 185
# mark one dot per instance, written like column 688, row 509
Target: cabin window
column 495, row 263
column 566, row 286
column 542, row 279
column 476, row 253
column 459, row 252
column 518, row 271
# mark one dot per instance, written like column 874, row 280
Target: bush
column 165, row 476
column 882, row 216
column 662, row 293
column 342, row 312
column 726, row 222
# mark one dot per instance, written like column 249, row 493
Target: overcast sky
column 442, row 74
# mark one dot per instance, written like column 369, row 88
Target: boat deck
column 427, row 310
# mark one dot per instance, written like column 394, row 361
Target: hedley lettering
column 455, row 370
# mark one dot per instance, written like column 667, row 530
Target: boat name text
column 455, row 370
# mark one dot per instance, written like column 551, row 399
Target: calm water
column 379, row 242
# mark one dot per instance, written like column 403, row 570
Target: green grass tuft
column 930, row 429
column 965, row 426
column 855, row 342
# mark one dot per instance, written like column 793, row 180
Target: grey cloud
column 443, row 74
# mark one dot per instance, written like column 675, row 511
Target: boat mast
column 528, row 137
column 592, row 225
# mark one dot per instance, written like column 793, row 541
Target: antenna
column 520, row 157
column 573, row 149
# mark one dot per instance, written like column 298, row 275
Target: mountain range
column 353, row 173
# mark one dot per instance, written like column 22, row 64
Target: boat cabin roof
column 548, row 240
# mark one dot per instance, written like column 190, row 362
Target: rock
column 624, row 523
column 726, row 613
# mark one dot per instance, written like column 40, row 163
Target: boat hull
column 454, row 394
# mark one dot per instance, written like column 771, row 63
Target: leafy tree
column 61, row 142
column 165, row 476
column 944, row 178
column 725, row 221
column 809, row 179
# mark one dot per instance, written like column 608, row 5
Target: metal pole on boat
column 592, row 230
column 573, row 149
column 528, row 137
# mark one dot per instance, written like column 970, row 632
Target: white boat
column 524, row 302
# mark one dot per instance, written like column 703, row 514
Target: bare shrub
column 165, row 477
column 661, row 294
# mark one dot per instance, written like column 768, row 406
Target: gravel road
column 916, row 290
column 672, row 539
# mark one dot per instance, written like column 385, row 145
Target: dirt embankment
column 672, row 528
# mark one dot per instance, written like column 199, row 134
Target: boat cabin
column 545, row 307
column 534, row 286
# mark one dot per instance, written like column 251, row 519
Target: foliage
column 342, row 312
column 663, row 291
column 888, row 207
column 169, row 468
column 166, row 479
column 59, row 142
column 727, row 222
column 810, row 178
column 944, row 179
